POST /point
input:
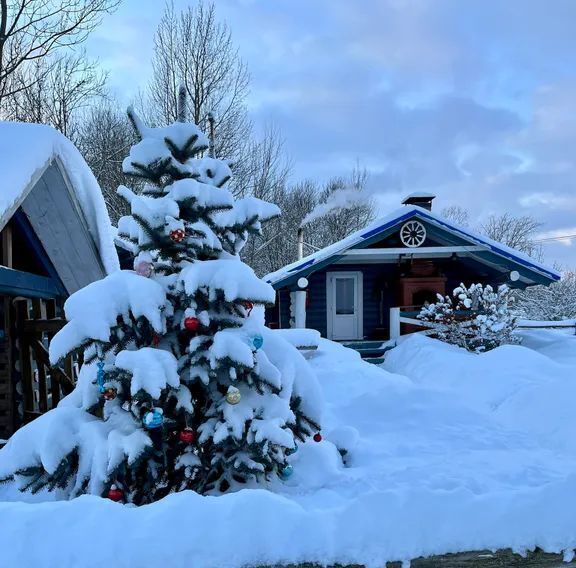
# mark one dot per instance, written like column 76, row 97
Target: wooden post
column 6, row 384
column 394, row 323
column 39, row 312
column 25, row 357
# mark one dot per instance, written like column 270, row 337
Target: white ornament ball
column 233, row 395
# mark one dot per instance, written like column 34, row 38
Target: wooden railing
column 534, row 324
column 43, row 386
column 408, row 315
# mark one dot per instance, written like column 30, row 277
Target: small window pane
column 345, row 296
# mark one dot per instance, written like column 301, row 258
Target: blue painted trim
column 18, row 283
column 23, row 223
column 377, row 230
column 492, row 247
column 303, row 265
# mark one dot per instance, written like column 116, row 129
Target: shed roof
column 26, row 152
column 384, row 225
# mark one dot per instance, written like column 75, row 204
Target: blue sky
column 474, row 100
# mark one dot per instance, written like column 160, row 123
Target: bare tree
column 515, row 232
column 338, row 224
column 278, row 245
column 104, row 138
column 554, row 302
column 33, row 29
column 262, row 168
column 55, row 90
column 192, row 48
column 458, row 214
column 262, row 171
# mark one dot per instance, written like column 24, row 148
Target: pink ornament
column 144, row 268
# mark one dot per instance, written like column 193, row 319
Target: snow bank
column 450, row 452
column 516, row 386
column 25, row 151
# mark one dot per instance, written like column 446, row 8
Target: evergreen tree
column 182, row 387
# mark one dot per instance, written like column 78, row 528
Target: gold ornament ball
column 233, row 396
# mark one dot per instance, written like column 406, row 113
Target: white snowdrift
column 464, row 452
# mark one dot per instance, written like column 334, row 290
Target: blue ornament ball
column 287, row 471
column 257, row 341
column 100, row 379
column 153, row 419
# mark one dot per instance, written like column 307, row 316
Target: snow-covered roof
column 26, row 151
column 425, row 194
column 381, row 225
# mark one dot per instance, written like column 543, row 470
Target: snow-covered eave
column 8, row 212
column 334, row 252
column 46, row 147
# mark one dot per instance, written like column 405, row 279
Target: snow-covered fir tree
column 475, row 317
column 182, row 386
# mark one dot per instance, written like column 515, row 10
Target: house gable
column 55, row 216
column 380, row 241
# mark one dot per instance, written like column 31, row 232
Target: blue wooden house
column 348, row 290
column 55, row 238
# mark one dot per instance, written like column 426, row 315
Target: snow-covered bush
column 475, row 317
column 554, row 302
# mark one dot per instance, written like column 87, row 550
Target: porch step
column 371, row 351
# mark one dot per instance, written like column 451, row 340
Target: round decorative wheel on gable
column 413, row 234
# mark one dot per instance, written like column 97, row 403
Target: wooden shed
column 55, row 238
column 353, row 290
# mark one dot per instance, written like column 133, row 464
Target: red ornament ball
column 317, row 437
column 115, row 494
column 177, row 235
column 248, row 305
column 110, row 394
column 155, row 340
column 191, row 324
column 187, row 436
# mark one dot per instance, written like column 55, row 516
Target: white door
column 344, row 305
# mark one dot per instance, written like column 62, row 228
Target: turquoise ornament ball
column 287, row 471
column 154, row 419
column 257, row 341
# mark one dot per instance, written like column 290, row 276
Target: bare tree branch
column 54, row 90
column 515, row 232
column 104, row 138
column 34, row 29
column 193, row 49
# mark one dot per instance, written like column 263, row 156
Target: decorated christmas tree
column 182, row 386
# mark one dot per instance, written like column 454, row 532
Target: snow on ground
column 447, row 452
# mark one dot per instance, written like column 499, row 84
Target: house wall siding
column 377, row 280
column 380, row 293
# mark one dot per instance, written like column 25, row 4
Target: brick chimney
column 420, row 198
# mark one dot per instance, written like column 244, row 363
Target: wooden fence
column 408, row 315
